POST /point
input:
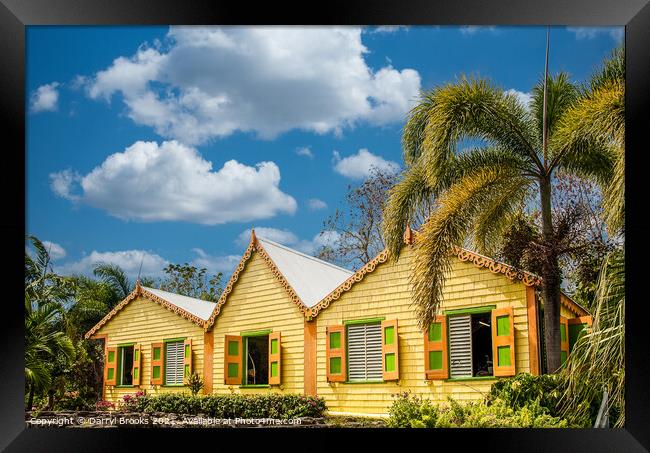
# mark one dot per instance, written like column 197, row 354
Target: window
column 256, row 349
column 470, row 345
column 174, row 362
column 125, row 366
column 364, row 352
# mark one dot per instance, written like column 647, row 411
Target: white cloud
column 213, row 81
column 360, row 165
column 286, row 237
column 172, row 182
column 62, row 184
column 55, row 251
column 213, row 263
column 473, row 29
column 315, row 204
column 524, row 98
column 128, row 260
column 385, row 29
column 45, row 98
column 305, row 151
column 616, row 33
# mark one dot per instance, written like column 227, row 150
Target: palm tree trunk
column 551, row 283
column 30, row 400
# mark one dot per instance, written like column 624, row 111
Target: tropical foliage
column 410, row 411
column 62, row 369
column 597, row 361
column 485, row 158
column 269, row 405
column 191, row 281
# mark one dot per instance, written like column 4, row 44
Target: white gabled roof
column 197, row 307
column 312, row 279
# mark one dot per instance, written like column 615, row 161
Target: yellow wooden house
column 369, row 346
column 288, row 322
column 152, row 340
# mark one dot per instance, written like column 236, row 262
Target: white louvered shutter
column 174, row 362
column 364, row 352
column 460, row 346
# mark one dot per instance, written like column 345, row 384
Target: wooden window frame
column 366, row 322
column 244, row 359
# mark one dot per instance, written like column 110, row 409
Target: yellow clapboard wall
column 259, row 302
column 144, row 322
column 385, row 292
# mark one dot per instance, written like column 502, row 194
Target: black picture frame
column 15, row 15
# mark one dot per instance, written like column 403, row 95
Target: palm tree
column 115, row 278
column 45, row 339
column 597, row 360
column 599, row 117
column 480, row 190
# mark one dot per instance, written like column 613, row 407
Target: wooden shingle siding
column 259, row 302
column 385, row 292
column 145, row 322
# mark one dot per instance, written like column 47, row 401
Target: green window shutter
column 275, row 358
column 187, row 358
column 577, row 328
column 503, row 341
column 564, row 339
column 157, row 363
column 110, row 367
column 335, row 357
column 233, row 355
column 435, row 349
column 137, row 364
column 390, row 350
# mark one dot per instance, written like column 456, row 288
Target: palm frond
column 597, row 360
column 499, row 213
column 561, row 95
column 114, row 276
column 403, row 201
column 472, row 109
column 446, row 227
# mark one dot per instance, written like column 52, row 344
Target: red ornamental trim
column 141, row 292
column 496, row 267
column 255, row 246
column 346, row 285
column 283, row 281
column 231, row 284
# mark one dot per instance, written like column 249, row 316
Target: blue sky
column 171, row 143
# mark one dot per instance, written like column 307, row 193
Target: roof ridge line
column 148, row 288
column 313, row 258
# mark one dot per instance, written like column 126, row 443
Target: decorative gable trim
column 346, row 285
column 527, row 278
column 255, row 246
column 496, row 267
column 139, row 291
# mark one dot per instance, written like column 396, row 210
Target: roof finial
column 253, row 237
column 408, row 235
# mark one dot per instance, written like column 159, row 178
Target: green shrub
column 415, row 412
column 408, row 410
column 195, row 383
column 273, row 405
column 521, row 390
